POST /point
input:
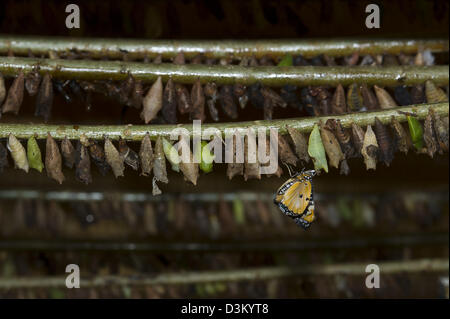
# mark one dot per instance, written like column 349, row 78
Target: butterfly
column 295, row 198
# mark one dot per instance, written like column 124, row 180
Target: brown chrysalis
column 82, row 164
column 44, row 99
column 169, row 107
column 129, row 156
column 99, row 157
column 384, row 142
column 152, row 102
column 227, row 101
column 338, row 104
column 198, row 102
column 15, row 95
column 113, row 158
column 68, row 152
column 159, row 163
column 32, row 81
column 146, row 155
column 53, row 161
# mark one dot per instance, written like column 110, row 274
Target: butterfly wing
column 294, row 196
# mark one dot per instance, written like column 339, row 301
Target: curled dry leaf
column 227, row 101
column 129, row 156
column 152, row 102
column 44, row 99
column 2, row 89
column 354, row 98
column 15, row 95
column 189, row 168
column 370, row 149
column 235, row 168
column 384, row 98
column 332, row 147
column 285, row 152
column 18, row 153
column 68, row 152
column 198, row 102
column 3, row 157
column 169, row 107
column 251, row 164
column 99, row 157
column 159, row 163
column 34, row 155
column 183, row 99
column 384, row 139
column 316, row 150
column 210, row 91
column 113, row 158
column 53, row 161
column 434, row 94
column 357, row 138
column 369, row 99
column 146, row 155
column 402, row 139
column 338, row 104
column 301, row 144
column 429, row 135
column 441, row 129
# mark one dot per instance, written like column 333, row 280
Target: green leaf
column 316, row 150
column 286, row 61
column 34, row 155
column 171, row 155
column 416, row 131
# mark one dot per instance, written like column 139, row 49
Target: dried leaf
column 113, row 158
column 441, row 129
column 159, row 163
column 251, row 164
column 15, row 95
column 354, row 98
column 2, row 90
column 169, row 108
column 384, row 99
column 357, row 138
column 416, row 132
column 68, row 152
column 235, row 168
column 316, row 150
column 332, row 147
column 434, row 94
column 189, row 168
column 129, row 156
column 402, row 95
column 82, row 164
column 301, row 144
column 183, row 99
column 384, row 139
column 18, row 153
column 152, row 102
column 370, row 149
column 3, row 157
column 285, row 152
column 227, row 101
column 146, row 155
column 99, row 157
column 34, row 155
column 402, row 140
column 338, row 104
column 429, row 135
column 369, row 99
column 53, row 161
column 198, row 102
column 44, row 99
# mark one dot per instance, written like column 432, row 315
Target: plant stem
column 137, row 132
column 228, row 74
column 138, row 49
column 250, row 274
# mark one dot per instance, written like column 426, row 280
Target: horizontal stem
column 115, row 48
column 250, row 274
column 228, row 74
column 137, row 132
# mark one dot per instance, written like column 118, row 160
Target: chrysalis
column 369, row 99
column 268, row 109
column 44, row 99
column 183, row 99
column 68, row 152
column 402, row 139
column 53, row 161
column 441, row 132
column 384, row 99
column 152, row 102
column 370, row 149
column 169, row 108
column 301, row 144
column 343, row 137
column 240, row 92
column 285, row 152
column 171, row 154
column 113, row 158
column 59, row 86
column 18, row 153
column 155, row 189
column 251, row 165
column 34, row 155
column 418, row 94
column 324, row 99
column 146, row 155
column 332, row 147
column 207, row 158
column 179, row 58
column 316, row 150
column 289, row 94
column 130, row 157
column 416, row 132
column 137, row 95
column 3, row 157
column 15, row 95
column 357, row 138
column 159, row 163
column 434, row 94
column 99, row 157
column 189, row 168
column 402, row 95
column 429, row 135
column 2, row 89
column 384, row 141
column 354, row 98
column 309, row 101
column 338, row 104
column 210, row 91
column 276, row 99
column 235, row 168
column 125, row 89
column 255, row 96
column 198, row 102
column 227, row 101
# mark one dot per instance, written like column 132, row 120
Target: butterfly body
column 295, row 198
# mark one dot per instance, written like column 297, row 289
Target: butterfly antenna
column 289, row 169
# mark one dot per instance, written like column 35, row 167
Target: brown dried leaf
column 402, row 138
column 189, row 169
column 198, row 102
column 159, row 163
column 285, row 152
column 152, row 102
column 99, row 157
column 357, row 138
column 183, row 99
column 53, row 161
column 332, row 147
column 82, row 164
column 18, row 153
column 338, row 104
column 370, row 149
column 369, row 99
column 15, row 95
column 129, row 156
column 113, row 158
column 227, row 101
column 384, row 139
column 429, row 135
column 146, row 155
column 169, row 108
column 44, row 99
column 384, row 98
column 434, row 94
column 234, row 168
column 3, row 157
column 251, row 169
column 301, row 144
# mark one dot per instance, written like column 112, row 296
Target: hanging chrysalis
column 18, row 153
column 113, row 158
column 159, row 163
column 34, row 155
column 137, row 95
column 402, row 139
column 68, row 152
column 402, row 95
column 44, row 99
column 130, row 157
column 234, row 168
column 255, row 96
column 171, row 154
column 32, row 81
column 15, row 95
column 227, row 102
column 3, row 157
column 179, row 58
column 2, row 90
column 251, row 164
column 276, row 99
column 323, row 97
column 189, row 168
column 301, row 144
column 82, row 164
column 268, row 109
column 146, row 155
column 152, row 102
column 357, row 138
column 240, row 92
column 169, row 107
column 343, row 137
column 418, row 94
column 354, row 98
column 309, row 101
column 416, row 132
column 332, row 147
column 183, row 99
column 198, row 102
column 285, row 152
column 316, row 150
column 207, row 158
column 429, row 135
column 384, row 98
column 384, row 140
column 210, row 91
column 441, row 132
column 289, row 94
column 53, row 161
column 125, row 89
column 59, row 86
column 338, row 104
column 434, row 94
column 370, row 149
column 98, row 156
column 369, row 99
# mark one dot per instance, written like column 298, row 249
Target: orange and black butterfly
column 295, row 198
